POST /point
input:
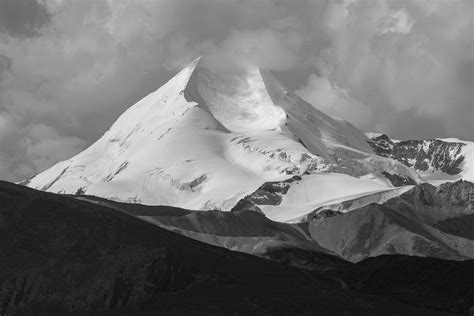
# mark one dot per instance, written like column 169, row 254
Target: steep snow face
column 205, row 140
column 237, row 98
column 436, row 160
column 319, row 132
column 344, row 146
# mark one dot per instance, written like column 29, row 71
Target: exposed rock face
column 421, row 155
column 270, row 193
column 398, row 180
column 450, row 195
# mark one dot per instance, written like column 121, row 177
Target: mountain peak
column 209, row 137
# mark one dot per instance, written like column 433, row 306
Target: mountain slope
column 244, row 231
column 420, row 222
column 423, row 221
column 207, row 139
column 66, row 256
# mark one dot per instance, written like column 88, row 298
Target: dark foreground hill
column 245, row 230
column 61, row 256
column 425, row 282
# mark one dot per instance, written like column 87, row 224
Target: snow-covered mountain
column 207, row 139
column 436, row 160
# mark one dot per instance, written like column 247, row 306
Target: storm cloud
column 23, row 18
column 69, row 68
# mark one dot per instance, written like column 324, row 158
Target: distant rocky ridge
column 421, row 155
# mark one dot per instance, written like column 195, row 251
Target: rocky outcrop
column 270, row 193
column 422, row 155
column 398, row 180
column 447, row 194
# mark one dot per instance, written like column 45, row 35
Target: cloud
column 23, row 18
column 396, row 22
column 69, row 68
column 397, row 57
column 266, row 48
column 45, row 146
column 335, row 101
column 5, row 66
column 31, row 148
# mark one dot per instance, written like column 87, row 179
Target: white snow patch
column 316, row 190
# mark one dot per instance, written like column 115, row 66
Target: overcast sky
column 68, row 69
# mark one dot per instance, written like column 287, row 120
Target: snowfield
column 315, row 191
